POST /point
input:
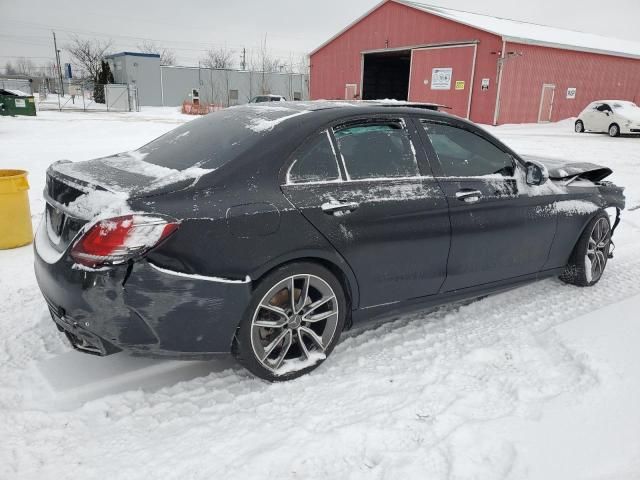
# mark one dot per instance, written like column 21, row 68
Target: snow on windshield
column 624, row 105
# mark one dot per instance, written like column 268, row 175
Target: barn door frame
column 552, row 87
column 473, row 68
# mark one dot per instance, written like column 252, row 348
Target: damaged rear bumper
column 142, row 309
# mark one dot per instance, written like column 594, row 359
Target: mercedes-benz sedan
column 266, row 231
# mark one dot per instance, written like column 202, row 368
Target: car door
column 588, row 116
column 602, row 117
column 499, row 228
column 380, row 207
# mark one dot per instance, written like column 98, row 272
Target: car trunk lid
column 78, row 193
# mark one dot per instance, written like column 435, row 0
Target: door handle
column 469, row 196
column 339, row 208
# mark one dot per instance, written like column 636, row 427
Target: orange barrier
column 191, row 108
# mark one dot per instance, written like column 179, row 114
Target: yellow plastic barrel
column 15, row 215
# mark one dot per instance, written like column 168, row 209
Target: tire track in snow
column 390, row 401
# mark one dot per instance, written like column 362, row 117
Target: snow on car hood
column 632, row 114
column 562, row 169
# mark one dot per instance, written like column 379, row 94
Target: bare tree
column 88, row 55
column 9, row 69
column 167, row 57
column 50, row 69
column 221, row 58
column 303, row 65
column 265, row 61
column 24, row 66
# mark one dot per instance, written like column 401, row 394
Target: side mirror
column 537, row 173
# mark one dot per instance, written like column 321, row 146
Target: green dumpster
column 15, row 102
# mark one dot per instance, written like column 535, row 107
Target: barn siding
column 596, row 77
column 339, row 62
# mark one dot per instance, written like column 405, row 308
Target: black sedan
column 266, row 231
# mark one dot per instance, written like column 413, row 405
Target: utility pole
column 243, row 62
column 57, row 52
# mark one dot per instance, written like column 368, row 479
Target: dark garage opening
column 386, row 75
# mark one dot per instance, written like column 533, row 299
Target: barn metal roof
column 521, row 32
column 534, row 34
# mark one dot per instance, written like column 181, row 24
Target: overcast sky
column 292, row 28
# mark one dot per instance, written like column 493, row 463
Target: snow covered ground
column 541, row 382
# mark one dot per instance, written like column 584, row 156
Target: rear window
column 211, row 141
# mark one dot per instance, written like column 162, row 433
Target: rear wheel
column 614, row 130
column 589, row 258
column 292, row 323
column 579, row 126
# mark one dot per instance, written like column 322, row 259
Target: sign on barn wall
column 459, row 84
column 571, row 93
column 441, row 78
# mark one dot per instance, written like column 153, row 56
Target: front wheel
column 589, row 257
column 292, row 323
column 579, row 126
column 614, row 130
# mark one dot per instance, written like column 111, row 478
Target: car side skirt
column 433, row 301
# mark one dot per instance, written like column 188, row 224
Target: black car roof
column 336, row 109
column 255, row 129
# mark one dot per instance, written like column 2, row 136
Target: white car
column 267, row 98
column 613, row 116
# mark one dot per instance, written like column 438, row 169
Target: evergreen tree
column 105, row 76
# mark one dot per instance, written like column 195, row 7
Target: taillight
column 115, row 241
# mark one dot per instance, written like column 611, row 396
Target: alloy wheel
column 294, row 323
column 613, row 131
column 598, row 250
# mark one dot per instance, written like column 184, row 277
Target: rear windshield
column 215, row 139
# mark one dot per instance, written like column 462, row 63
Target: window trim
column 287, row 176
column 433, row 155
column 377, row 119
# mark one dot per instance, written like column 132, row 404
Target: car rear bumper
column 142, row 309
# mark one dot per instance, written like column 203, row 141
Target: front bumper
column 142, row 309
column 630, row 129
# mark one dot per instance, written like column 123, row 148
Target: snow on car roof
column 627, row 102
column 519, row 31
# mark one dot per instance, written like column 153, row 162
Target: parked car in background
column 266, row 232
column 614, row 117
column 267, row 98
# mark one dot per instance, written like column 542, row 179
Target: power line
column 168, row 42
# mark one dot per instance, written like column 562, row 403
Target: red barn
column 491, row 70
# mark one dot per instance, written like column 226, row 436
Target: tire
column 614, row 130
column 579, row 126
column 280, row 340
column 589, row 257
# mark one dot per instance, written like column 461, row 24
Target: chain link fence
column 90, row 96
